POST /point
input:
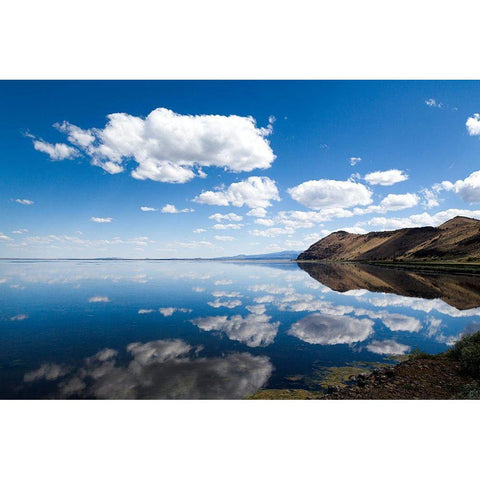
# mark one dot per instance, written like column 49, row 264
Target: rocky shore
column 418, row 378
column 454, row 374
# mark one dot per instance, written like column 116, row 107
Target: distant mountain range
column 283, row 255
column 457, row 239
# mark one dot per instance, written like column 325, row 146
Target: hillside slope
column 457, row 239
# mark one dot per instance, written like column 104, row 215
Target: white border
column 96, row 39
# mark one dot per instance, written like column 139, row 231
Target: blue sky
column 226, row 167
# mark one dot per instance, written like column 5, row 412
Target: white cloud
column 194, row 244
column 386, row 177
column 98, row 300
column 169, row 208
column 144, row 311
column 318, row 194
column 254, row 192
column 285, row 223
column 230, row 217
column 4, row 237
column 431, row 102
column 57, row 151
column 430, row 197
column 148, row 209
column 226, row 226
column 199, row 230
column 473, row 124
column 324, row 329
column 399, row 202
column 257, row 212
column 468, row 190
column 171, row 147
column 420, row 220
column 267, row 222
column 24, row 201
column 387, row 347
column 101, row 219
column 355, row 160
column 77, row 136
column 224, row 238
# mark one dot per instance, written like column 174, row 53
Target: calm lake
column 206, row 329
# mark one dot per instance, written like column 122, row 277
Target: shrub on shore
column 467, row 352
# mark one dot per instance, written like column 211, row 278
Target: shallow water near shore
column 207, row 329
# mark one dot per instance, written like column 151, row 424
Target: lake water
column 205, row 329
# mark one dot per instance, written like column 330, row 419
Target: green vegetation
column 467, row 352
column 285, row 394
column 416, row 353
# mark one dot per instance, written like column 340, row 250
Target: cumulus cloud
column 355, row 160
column 171, row 147
column 419, row 220
column 226, row 226
column 24, row 201
column 75, row 135
column 324, row 329
column 227, row 217
column 318, row 194
column 399, row 202
column 387, row 347
column 253, row 192
column 430, row 197
column 169, row 208
column 468, row 189
column 199, row 230
column 101, row 219
column 57, row 151
column 473, row 124
column 224, row 238
column 431, row 102
column 4, row 237
column 386, row 177
column 257, row 212
column 148, row 209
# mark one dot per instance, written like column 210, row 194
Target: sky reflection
column 152, row 329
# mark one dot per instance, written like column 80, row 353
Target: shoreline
column 450, row 375
column 427, row 267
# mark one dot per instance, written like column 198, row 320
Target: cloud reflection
column 254, row 330
column 161, row 369
column 332, row 329
column 387, row 347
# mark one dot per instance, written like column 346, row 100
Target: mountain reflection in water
column 460, row 291
column 187, row 330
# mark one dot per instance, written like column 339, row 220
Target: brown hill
column 457, row 239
